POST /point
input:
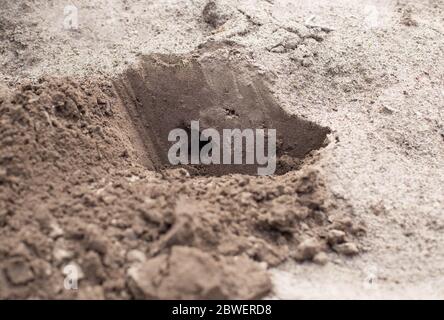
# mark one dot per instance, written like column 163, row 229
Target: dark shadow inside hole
column 203, row 140
column 166, row 92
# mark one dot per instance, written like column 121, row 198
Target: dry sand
column 360, row 216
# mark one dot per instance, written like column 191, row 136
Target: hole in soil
column 165, row 92
column 203, row 140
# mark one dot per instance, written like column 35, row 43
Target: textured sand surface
column 371, row 71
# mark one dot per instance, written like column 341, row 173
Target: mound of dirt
column 75, row 189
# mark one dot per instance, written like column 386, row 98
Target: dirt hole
column 165, row 92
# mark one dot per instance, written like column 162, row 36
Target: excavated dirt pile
column 81, row 184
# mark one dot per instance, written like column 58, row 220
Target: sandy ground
column 371, row 71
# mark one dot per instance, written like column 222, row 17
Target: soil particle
column 216, row 14
column 93, row 268
column 321, row 258
column 135, row 256
column 348, row 248
column 19, row 272
column 335, row 237
column 61, row 254
column 188, row 273
column 307, row 249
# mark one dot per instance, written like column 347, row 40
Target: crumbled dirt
column 76, row 185
column 75, row 189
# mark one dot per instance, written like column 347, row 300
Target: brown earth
column 81, row 184
column 75, row 190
